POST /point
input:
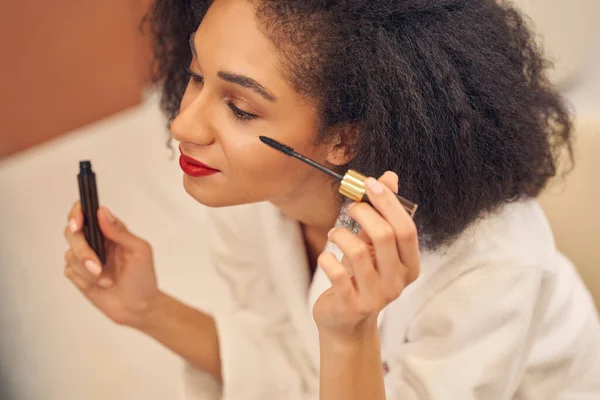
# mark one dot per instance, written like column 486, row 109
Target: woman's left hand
column 379, row 262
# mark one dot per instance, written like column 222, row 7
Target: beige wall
column 569, row 32
column 66, row 63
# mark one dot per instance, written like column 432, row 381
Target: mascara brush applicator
column 352, row 184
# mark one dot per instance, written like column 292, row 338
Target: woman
column 449, row 95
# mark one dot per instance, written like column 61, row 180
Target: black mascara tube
column 88, row 196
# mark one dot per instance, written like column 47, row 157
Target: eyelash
column 240, row 115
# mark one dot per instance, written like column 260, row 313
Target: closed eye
column 240, row 114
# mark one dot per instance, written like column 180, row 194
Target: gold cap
column 353, row 185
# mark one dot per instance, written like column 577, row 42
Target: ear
column 342, row 147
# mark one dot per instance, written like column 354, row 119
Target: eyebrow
column 247, row 82
column 237, row 79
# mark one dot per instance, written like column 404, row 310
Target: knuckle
column 78, row 269
column 326, row 264
column 118, row 318
column 359, row 253
column 357, row 208
column 385, row 235
column 413, row 274
column 322, row 259
column 336, row 276
column 333, row 233
column 326, row 261
column 81, row 251
column 408, row 233
column 84, row 278
column 68, row 255
column 336, row 234
column 84, row 285
column 144, row 247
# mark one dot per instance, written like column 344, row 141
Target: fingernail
column 105, row 282
column 72, row 225
column 373, row 185
column 111, row 218
column 329, row 233
column 94, row 268
column 350, row 206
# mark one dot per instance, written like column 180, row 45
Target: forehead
column 229, row 38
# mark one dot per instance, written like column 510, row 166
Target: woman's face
column 236, row 94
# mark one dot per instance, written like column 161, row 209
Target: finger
column 114, row 229
column 404, row 227
column 348, row 265
column 359, row 254
column 109, row 269
column 108, row 277
column 105, row 282
column 86, row 270
column 346, row 261
column 340, row 280
column 76, row 279
column 82, row 250
column 382, row 235
column 75, row 217
column 390, row 179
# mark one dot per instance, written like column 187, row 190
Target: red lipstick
column 194, row 167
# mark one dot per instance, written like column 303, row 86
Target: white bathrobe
column 499, row 314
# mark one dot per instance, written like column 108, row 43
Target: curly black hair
column 452, row 95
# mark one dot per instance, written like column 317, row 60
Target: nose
column 192, row 124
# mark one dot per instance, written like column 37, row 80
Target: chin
column 209, row 198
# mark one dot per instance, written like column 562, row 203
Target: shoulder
column 518, row 234
column 514, row 244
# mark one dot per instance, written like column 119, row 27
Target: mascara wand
column 351, row 184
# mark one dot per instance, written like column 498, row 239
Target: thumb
column 115, row 230
column 390, row 179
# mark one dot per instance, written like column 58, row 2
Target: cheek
column 259, row 169
column 249, row 156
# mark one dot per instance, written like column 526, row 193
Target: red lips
column 194, row 167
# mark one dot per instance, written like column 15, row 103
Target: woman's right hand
column 126, row 287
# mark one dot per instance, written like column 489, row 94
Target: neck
column 315, row 206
